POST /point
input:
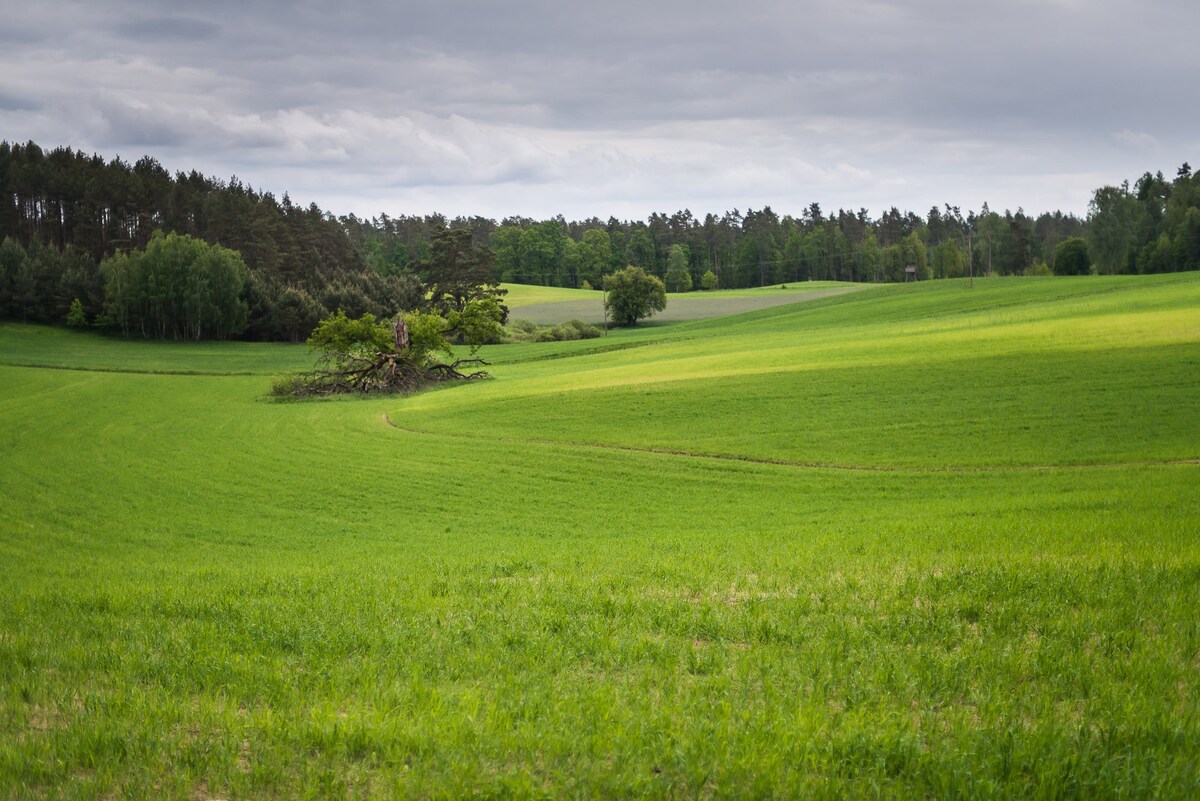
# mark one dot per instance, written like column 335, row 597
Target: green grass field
column 911, row 542
column 522, row 295
column 549, row 305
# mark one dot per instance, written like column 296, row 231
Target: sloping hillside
column 912, row 542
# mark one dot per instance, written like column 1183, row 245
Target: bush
column 526, row 331
column 708, row 280
column 585, row 330
column 76, row 317
column 570, row 330
column 520, row 330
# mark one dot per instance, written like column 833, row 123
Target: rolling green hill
column 549, row 305
column 917, row 541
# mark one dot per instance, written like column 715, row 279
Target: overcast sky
column 618, row 108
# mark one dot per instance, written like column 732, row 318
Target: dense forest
column 64, row 213
column 67, row 219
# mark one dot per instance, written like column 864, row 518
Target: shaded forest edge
column 66, row 218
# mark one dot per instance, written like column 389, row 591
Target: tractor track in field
column 765, row 460
column 76, row 368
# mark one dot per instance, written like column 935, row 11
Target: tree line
column 64, row 213
column 1150, row 227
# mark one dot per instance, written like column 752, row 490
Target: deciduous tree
column 595, row 255
column 633, row 294
column 1112, row 217
column 179, row 287
column 678, row 277
column 1071, row 257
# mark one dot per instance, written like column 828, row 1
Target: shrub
column 584, row 330
column 523, row 326
column 570, row 330
column 527, row 331
column 520, row 330
column 76, row 318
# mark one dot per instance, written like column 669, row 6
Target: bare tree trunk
column 401, row 333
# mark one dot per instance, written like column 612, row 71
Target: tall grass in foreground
column 986, row 588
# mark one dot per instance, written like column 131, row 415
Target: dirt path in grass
column 730, row 457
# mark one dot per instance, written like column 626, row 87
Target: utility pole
column 971, row 262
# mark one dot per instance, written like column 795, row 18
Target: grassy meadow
column 549, row 305
column 917, row 541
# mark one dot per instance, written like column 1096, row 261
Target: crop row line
column 767, row 460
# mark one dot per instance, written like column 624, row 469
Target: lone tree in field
column 633, row 294
column 1071, row 257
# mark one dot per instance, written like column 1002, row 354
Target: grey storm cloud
column 618, row 108
column 10, row 102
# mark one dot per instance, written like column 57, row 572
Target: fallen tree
column 366, row 356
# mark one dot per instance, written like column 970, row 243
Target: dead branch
column 384, row 373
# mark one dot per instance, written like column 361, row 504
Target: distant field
column 913, row 542
column 521, row 295
column 63, row 348
column 548, row 305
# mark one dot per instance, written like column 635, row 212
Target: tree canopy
column 632, row 294
column 678, row 279
column 1071, row 257
column 458, row 272
column 178, row 287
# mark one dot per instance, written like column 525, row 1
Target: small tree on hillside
column 633, row 294
column 76, row 317
column 708, row 280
